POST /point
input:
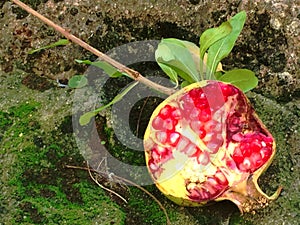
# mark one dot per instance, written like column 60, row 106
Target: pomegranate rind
column 190, row 168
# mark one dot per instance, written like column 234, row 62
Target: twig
column 131, row 183
column 132, row 73
column 107, row 189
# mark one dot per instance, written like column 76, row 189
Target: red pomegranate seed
column 198, row 128
column 173, row 138
column 182, row 144
column 166, row 112
column 161, row 136
column 205, row 115
column 220, row 177
column 255, row 146
column 152, row 165
column 176, row 115
column 190, row 149
column 203, row 158
column 169, row 124
column 157, row 123
column 256, row 160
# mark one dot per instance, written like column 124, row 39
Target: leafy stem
column 85, row 118
column 122, row 68
column 177, row 58
column 58, row 43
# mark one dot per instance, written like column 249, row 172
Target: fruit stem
column 122, row 68
column 248, row 196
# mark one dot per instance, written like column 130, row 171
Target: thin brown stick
column 131, row 183
column 105, row 188
column 132, row 73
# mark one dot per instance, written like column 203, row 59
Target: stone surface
column 36, row 130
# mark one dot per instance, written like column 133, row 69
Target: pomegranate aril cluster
column 253, row 151
column 210, row 189
column 167, row 119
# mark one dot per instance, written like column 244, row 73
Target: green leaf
column 175, row 66
column 108, row 69
column 77, row 81
column 242, row 78
column 212, row 35
column 208, row 38
column 220, row 49
column 163, row 52
column 188, row 46
column 58, row 43
column 218, row 74
column 170, row 72
column 175, row 54
column 86, row 118
column 184, row 84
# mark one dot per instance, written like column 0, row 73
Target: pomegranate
column 206, row 143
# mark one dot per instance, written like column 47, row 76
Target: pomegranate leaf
column 108, row 69
column 166, row 55
column 212, row 35
column 77, row 81
column 218, row 74
column 175, row 53
column 170, row 72
column 86, row 118
column 60, row 42
column 242, row 78
column 177, row 68
column 184, row 84
column 208, row 38
column 220, row 49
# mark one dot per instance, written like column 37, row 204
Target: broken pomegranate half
column 205, row 143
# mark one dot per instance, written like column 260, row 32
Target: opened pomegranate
column 205, row 143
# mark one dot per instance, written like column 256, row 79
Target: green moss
column 24, row 109
column 236, row 219
column 21, row 121
column 73, row 201
column 4, row 120
column 5, row 123
column 57, row 209
column 42, row 190
column 143, row 210
column 120, row 151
